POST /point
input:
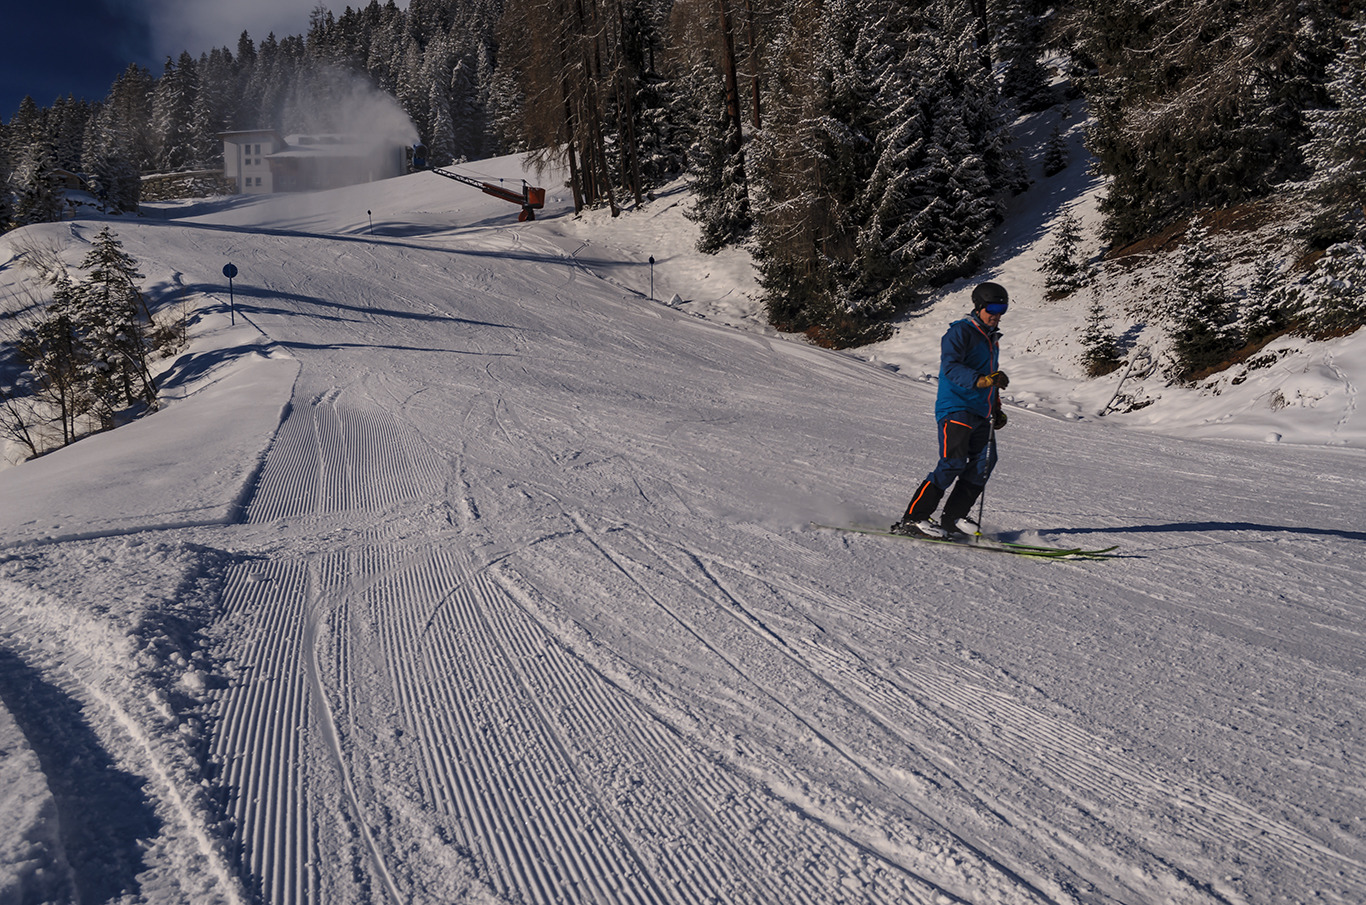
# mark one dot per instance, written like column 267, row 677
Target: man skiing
column 968, row 411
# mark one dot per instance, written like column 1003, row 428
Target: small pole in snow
column 372, row 222
column 230, row 271
column 652, row 278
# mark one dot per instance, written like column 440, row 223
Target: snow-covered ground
column 457, row 569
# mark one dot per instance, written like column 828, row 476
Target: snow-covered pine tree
column 1197, row 105
column 1063, row 265
column 955, row 206
column 214, row 108
column 37, row 197
column 469, row 131
column 52, row 349
column 26, row 128
column 129, row 111
column 173, row 101
column 67, row 120
column 111, row 321
column 1100, row 349
column 1055, row 155
column 1197, row 307
column 786, row 171
column 6, row 198
column 113, row 177
column 717, row 172
column 1018, row 44
column 441, row 144
column 887, row 238
column 1266, row 307
column 1337, row 151
column 964, row 170
column 1334, row 293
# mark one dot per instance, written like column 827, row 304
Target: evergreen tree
column 1064, row 267
column 720, row 204
column 113, row 177
column 1197, row 104
column 215, row 106
column 67, row 121
column 1100, row 350
column 111, row 322
column 1055, row 155
column 441, row 143
column 1333, row 297
column 173, row 101
column 1198, row 307
column 26, row 128
column 1019, row 42
column 6, row 198
column 129, row 119
column 1266, row 307
column 1338, row 149
column 786, row 179
column 52, row 350
column 38, row 199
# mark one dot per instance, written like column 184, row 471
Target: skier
column 968, row 411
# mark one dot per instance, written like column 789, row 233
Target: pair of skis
column 987, row 544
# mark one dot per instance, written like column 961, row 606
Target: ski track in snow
column 522, row 608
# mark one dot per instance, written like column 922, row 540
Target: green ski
column 986, row 544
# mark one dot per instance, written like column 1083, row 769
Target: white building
column 263, row 160
column 246, row 159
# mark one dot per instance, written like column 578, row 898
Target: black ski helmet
column 989, row 293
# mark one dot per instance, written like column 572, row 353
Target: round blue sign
column 230, row 270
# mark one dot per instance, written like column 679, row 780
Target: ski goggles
column 996, row 308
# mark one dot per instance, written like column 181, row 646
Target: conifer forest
column 859, row 149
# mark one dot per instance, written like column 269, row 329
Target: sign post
column 652, row 278
column 230, row 271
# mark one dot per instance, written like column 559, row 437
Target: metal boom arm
column 531, row 198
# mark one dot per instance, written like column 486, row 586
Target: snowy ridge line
column 111, row 533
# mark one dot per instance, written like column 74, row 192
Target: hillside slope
column 458, row 570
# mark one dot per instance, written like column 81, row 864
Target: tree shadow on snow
column 103, row 815
column 1195, row 527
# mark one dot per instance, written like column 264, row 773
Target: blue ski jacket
column 968, row 350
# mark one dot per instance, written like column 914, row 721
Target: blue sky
column 52, row 48
column 76, row 47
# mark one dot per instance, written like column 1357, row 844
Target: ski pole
column 991, row 450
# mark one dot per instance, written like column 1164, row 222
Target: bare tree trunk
column 626, row 117
column 982, row 32
column 728, row 67
column 753, row 64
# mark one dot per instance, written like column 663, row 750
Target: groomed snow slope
column 458, row 570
